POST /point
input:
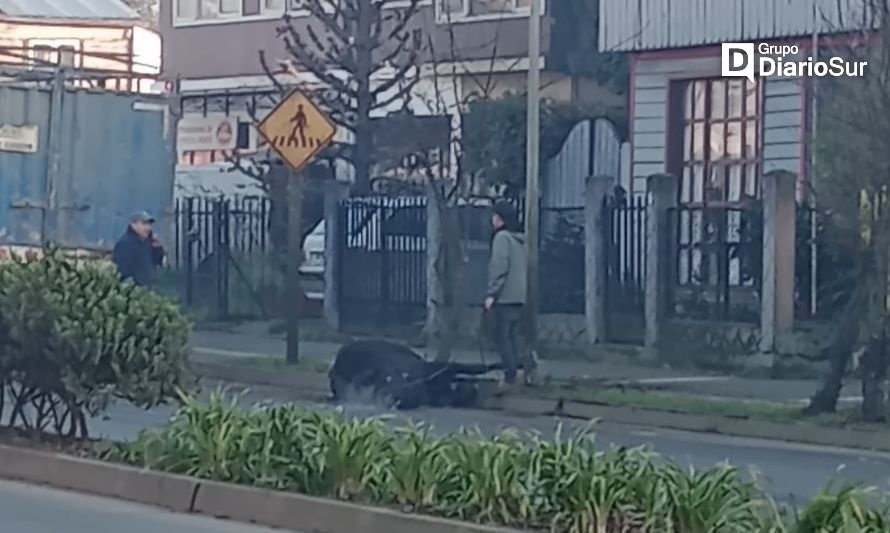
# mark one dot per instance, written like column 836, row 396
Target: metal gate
column 624, row 228
column 219, row 260
column 383, row 262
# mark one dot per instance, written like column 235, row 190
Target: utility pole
column 294, row 260
column 531, row 169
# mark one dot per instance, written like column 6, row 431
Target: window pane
column 751, row 95
column 688, row 106
column 735, row 183
column 66, row 56
column 735, row 98
column 686, row 186
column 698, row 149
column 751, row 140
column 751, row 181
column 484, row 7
column 716, row 185
column 187, row 9
column 44, row 55
column 718, row 99
column 698, row 99
column 698, row 184
column 734, row 140
column 209, row 9
column 687, row 142
column 451, row 8
column 251, row 7
column 230, row 7
column 717, row 141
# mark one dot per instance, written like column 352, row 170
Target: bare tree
column 448, row 183
column 361, row 56
column 852, row 185
column 147, row 9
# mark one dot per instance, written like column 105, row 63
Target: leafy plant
column 846, row 511
column 564, row 484
column 75, row 339
column 494, row 134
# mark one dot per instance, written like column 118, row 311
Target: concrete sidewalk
column 208, row 345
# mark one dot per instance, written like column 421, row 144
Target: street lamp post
column 532, row 166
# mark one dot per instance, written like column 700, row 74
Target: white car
column 364, row 233
column 313, row 252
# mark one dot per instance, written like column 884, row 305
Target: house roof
column 67, row 9
column 639, row 25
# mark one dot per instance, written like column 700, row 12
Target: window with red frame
column 721, row 141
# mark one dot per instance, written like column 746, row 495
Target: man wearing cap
column 506, row 292
column 138, row 252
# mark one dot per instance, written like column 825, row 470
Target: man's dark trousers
column 508, row 321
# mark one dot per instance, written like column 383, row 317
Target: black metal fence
column 219, row 259
column 383, row 272
column 824, row 266
column 624, row 228
column 718, row 262
column 561, row 268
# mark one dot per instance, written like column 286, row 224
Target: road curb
column 244, row 504
column 797, row 432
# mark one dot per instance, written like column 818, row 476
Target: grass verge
column 274, row 363
column 692, row 404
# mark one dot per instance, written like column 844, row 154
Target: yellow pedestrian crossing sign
column 297, row 129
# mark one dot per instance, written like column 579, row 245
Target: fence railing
column 624, row 246
column 217, row 260
column 202, row 225
column 717, row 262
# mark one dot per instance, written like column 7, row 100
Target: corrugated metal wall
column 114, row 160
column 627, row 25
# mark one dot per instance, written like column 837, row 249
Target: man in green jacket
column 506, row 294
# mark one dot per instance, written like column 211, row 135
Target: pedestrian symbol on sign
column 297, row 130
column 299, row 121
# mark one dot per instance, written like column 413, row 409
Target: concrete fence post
column 777, row 283
column 334, row 193
column 433, row 249
column 662, row 197
column 596, row 190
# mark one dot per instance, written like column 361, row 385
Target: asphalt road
column 31, row 509
column 791, row 472
column 210, row 345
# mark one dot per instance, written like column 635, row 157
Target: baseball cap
column 142, row 216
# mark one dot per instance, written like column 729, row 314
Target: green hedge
column 73, row 339
column 562, row 485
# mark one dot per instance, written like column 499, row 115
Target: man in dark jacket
column 138, row 252
column 506, row 294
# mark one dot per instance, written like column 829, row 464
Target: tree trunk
column 361, row 159
column 450, row 271
column 874, row 376
column 276, row 185
column 838, row 354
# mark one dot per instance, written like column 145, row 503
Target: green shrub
column 562, row 484
column 73, row 339
column 846, row 510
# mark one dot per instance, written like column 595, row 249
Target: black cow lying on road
column 400, row 377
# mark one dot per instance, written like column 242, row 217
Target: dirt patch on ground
column 51, row 443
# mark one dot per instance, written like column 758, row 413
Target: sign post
column 297, row 130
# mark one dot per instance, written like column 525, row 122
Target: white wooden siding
column 627, row 25
column 782, row 119
column 782, row 123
